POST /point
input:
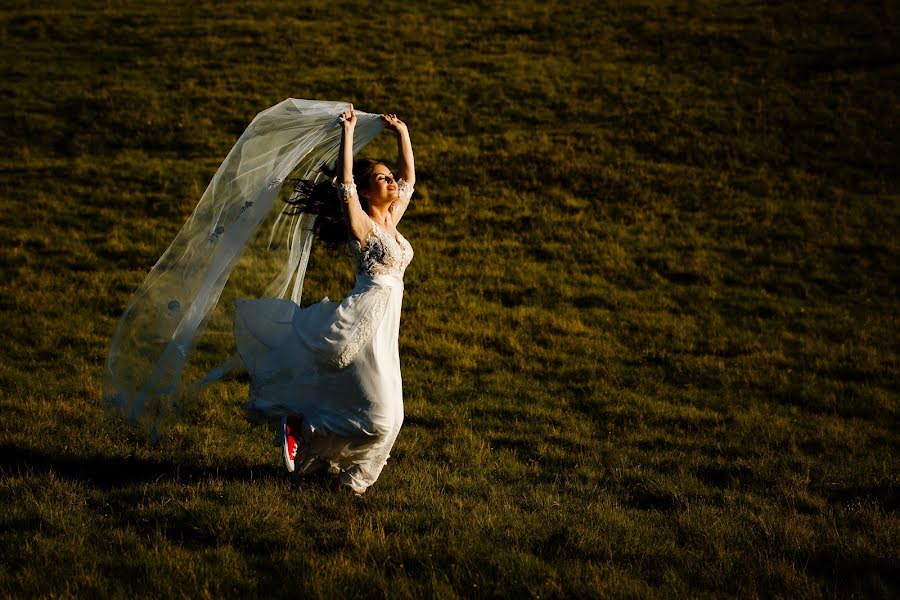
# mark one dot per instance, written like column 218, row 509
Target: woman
column 331, row 372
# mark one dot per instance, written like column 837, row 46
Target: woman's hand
column 394, row 124
column 348, row 119
column 348, row 123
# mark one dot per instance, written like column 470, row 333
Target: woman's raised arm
column 406, row 166
column 358, row 222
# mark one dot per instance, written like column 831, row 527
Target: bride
column 330, row 373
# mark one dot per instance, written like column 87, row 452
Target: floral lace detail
column 346, row 190
column 404, row 191
column 382, row 254
column 366, row 326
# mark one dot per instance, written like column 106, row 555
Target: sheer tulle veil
column 239, row 242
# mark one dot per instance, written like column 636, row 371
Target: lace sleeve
column 404, row 190
column 347, row 190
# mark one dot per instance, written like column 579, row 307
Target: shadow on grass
column 113, row 472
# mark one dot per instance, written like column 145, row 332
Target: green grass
column 650, row 335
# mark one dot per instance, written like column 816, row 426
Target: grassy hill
column 650, row 335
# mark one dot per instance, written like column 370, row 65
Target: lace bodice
column 382, row 253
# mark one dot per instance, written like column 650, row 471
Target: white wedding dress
column 336, row 365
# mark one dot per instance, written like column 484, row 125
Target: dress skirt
column 337, row 365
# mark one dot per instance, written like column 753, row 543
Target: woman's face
column 381, row 187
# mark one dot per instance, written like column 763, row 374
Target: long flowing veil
column 238, row 239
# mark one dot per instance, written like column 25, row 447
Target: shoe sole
column 284, row 447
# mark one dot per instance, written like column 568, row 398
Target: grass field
column 650, row 335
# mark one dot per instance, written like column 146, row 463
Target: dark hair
column 321, row 198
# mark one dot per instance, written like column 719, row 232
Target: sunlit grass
column 649, row 338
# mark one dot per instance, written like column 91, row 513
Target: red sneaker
column 292, row 437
